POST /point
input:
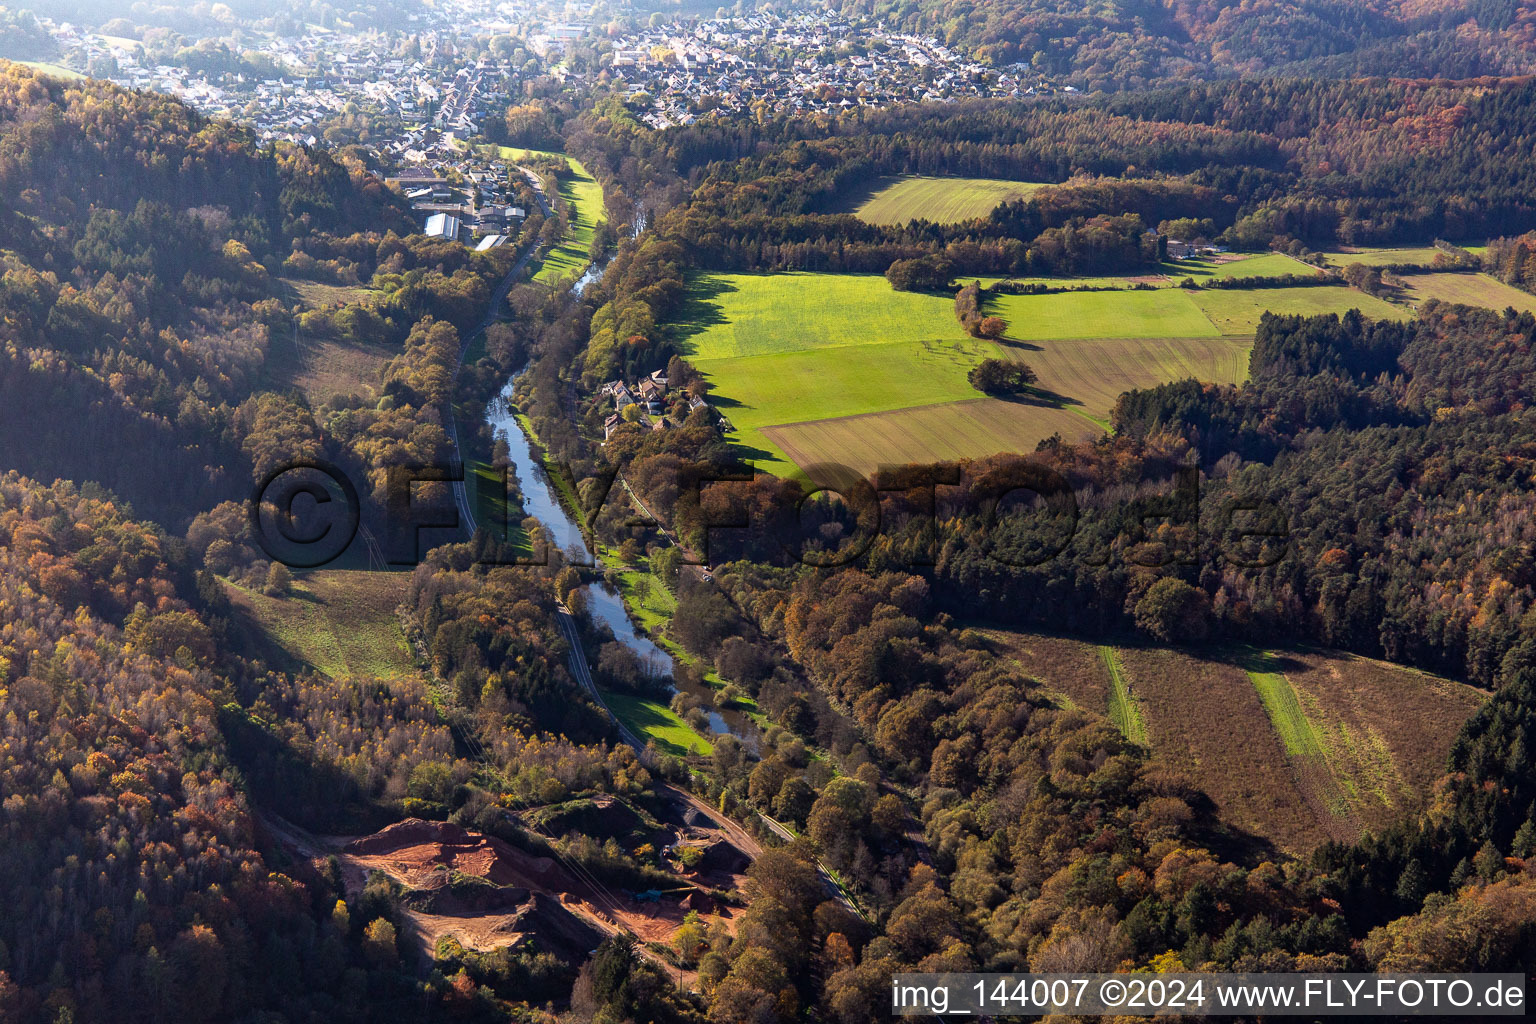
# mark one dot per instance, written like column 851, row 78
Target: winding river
column 603, row 602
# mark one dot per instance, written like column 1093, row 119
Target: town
column 401, row 87
column 800, row 61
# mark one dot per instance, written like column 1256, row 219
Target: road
column 583, row 671
column 492, row 314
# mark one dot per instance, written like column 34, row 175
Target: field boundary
column 878, row 412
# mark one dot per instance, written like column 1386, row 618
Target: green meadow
column 897, row 200
column 1472, row 289
column 1423, row 255
column 1236, row 311
column 569, row 258
column 1160, row 313
column 652, row 720
column 1272, row 264
column 726, row 315
column 337, row 621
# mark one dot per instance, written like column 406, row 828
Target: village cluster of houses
column 648, row 396
column 731, row 61
column 796, row 59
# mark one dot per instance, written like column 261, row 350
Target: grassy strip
column 649, row 602
column 1304, row 742
column 651, row 605
column 570, row 258
column 1124, row 710
column 492, row 510
column 1295, row 729
column 1353, row 757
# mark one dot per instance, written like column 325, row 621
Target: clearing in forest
column 897, row 200
column 341, row 622
column 1295, row 746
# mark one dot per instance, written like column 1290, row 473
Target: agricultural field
column 1422, row 255
column 1170, row 273
column 1272, row 264
column 1162, row 313
column 1236, row 311
column 1385, row 761
column 337, row 621
column 775, row 357
column 1206, row 720
column 1472, row 289
column 1295, row 747
column 897, row 200
column 1095, row 371
column 819, row 384
column 760, row 314
column 814, row 368
column 1155, row 280
column 1073, row 673
column 952, row 430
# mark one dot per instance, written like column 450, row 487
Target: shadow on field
column 1022, row 346
column 1040, row 396
column 699, row 311
column 745, row 453
column 851, row 197
column 1251, row 659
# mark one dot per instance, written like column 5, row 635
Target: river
column 603, row 602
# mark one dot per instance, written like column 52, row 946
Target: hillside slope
column 1131, row 43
